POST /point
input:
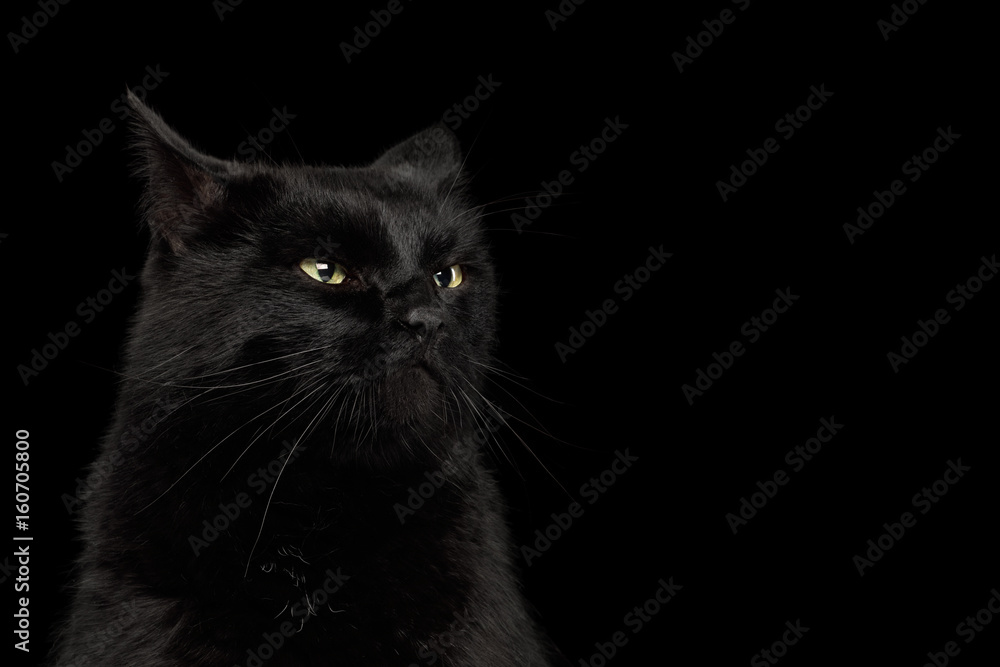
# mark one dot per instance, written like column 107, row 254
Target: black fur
column 239, row 365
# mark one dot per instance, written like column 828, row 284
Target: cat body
column 294, row 474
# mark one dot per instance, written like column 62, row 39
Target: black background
column 654, row 185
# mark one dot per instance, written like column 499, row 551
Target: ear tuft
column 181, row 183
column 432, row 156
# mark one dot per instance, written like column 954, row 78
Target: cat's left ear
column 181, row 183
column 432, row 157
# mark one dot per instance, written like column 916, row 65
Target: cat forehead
column 369, row 197
column 353, row 188
column 372, row 216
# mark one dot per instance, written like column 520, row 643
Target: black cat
column 305, row 368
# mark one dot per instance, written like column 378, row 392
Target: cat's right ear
column 432, row 157
column 181, row 183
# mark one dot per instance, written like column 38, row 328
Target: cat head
column 355, row 304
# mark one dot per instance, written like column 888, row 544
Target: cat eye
column 324, row 271
column 450, row 277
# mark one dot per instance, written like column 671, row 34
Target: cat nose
column 422, row 321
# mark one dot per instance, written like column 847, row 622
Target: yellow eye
column 450, row 277
column 324, row 271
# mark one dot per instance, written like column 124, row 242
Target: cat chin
column 412, row 396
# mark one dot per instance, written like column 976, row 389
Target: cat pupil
column 325, row 271
column 450, row 277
